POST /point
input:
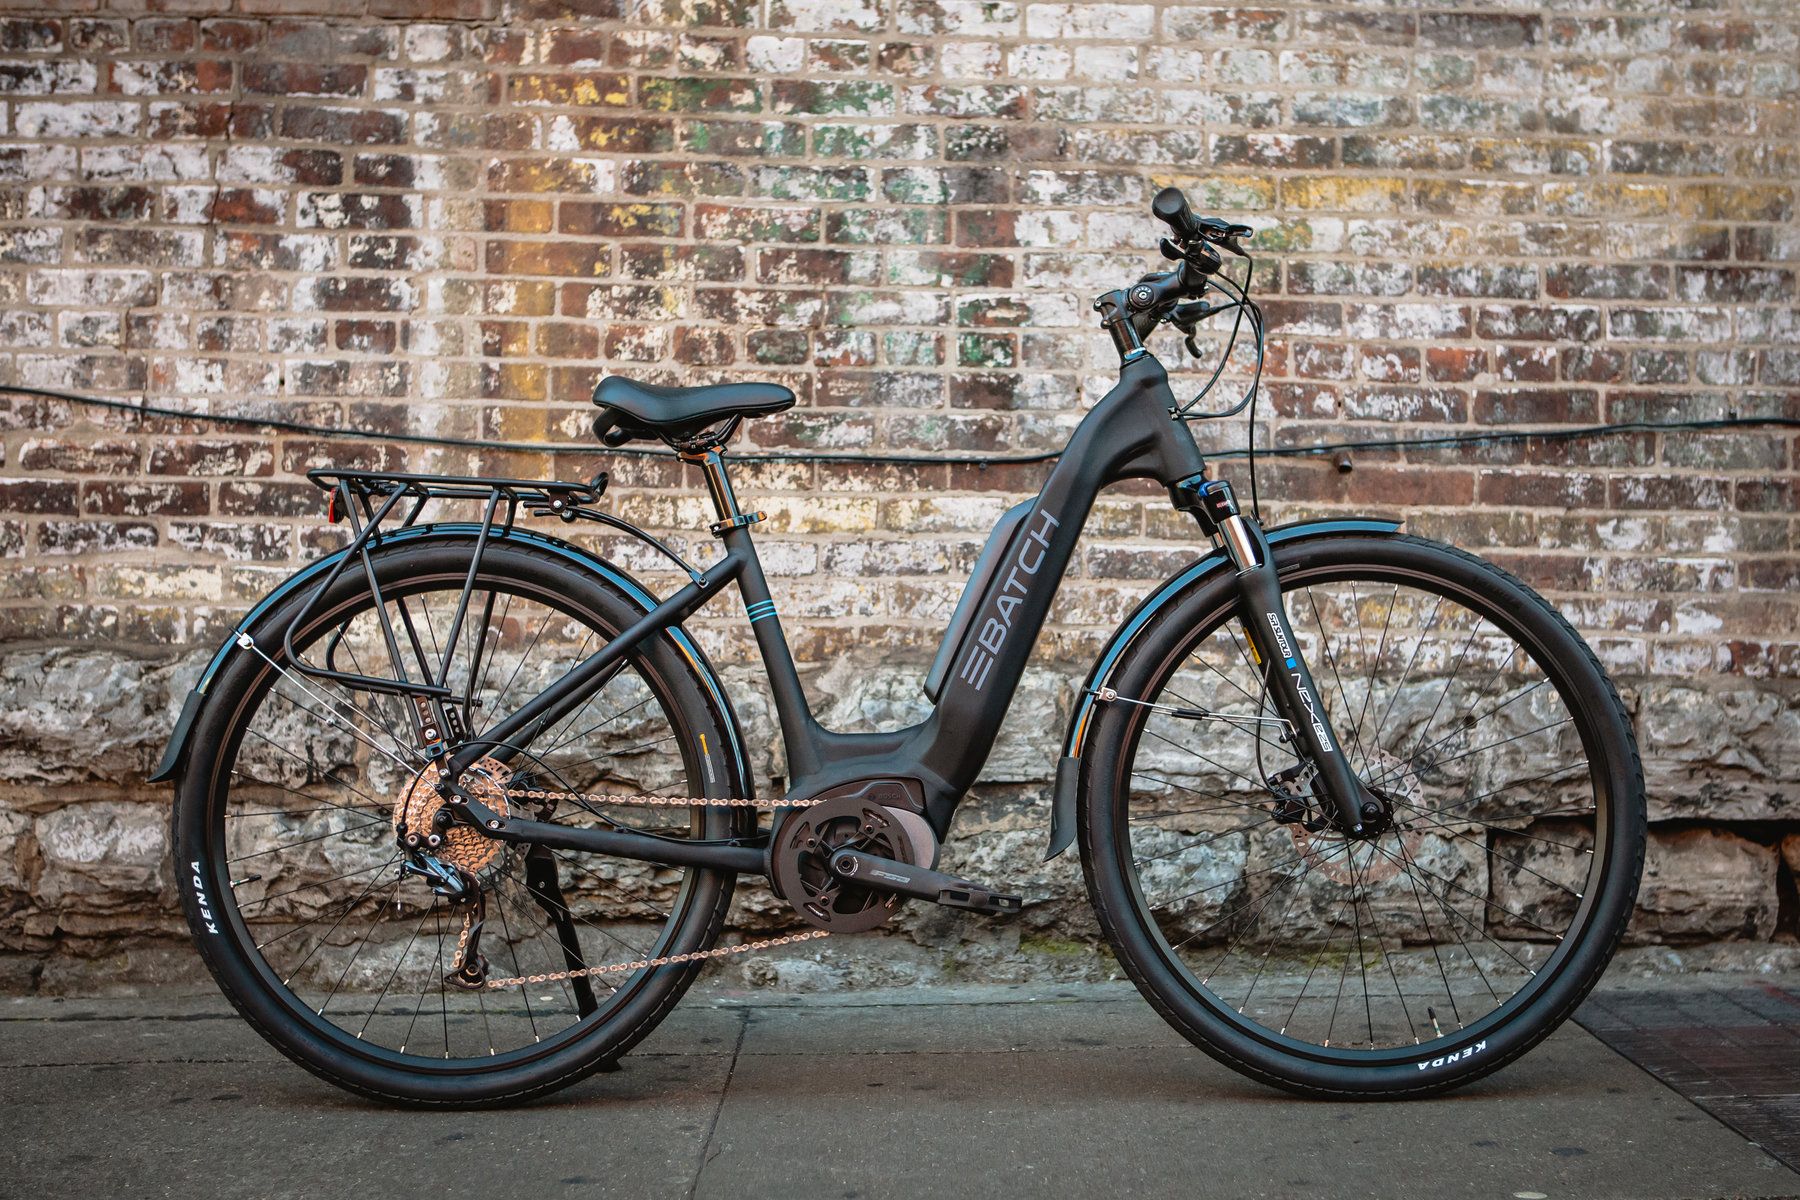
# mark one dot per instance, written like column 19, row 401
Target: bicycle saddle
column 680, row 413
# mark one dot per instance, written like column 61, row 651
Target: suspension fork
column 1274, row 646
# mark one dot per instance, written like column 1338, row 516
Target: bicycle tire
column 1433, row 1065
column 222, row 934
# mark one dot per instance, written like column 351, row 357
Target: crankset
column 847, row 861
column 800, row 861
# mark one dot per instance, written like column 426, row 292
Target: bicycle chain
column 540, row 795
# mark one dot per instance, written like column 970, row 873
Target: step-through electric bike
column 460, row 807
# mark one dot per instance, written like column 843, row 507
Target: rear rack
column 379, row 504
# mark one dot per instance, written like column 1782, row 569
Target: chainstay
column 541, row 795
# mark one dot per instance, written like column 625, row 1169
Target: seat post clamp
column 721, row 528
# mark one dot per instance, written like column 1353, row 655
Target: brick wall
column 450, row 216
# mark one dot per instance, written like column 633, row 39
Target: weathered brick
column 343, row 126
column 305, row 79
column 621, row 220
column 571, row 90
column 84, row 119
column 452, row 216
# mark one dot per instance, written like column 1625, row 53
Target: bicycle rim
column 302, row 805
column 1435, row 932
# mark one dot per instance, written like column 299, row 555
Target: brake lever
column 1198, row 255
column 1187, row 316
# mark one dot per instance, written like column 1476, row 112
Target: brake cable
column 1239, row 296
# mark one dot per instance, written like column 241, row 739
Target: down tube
column 1128, row 434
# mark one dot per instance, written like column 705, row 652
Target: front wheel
column 1494, row 888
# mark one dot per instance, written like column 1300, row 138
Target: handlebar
column 1179, row 296
column 1171, row 207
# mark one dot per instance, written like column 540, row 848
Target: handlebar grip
column 1171, row 207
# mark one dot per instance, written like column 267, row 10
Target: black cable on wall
column 1444, row 441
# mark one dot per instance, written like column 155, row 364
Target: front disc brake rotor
column 803, row 847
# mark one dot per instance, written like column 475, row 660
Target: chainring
column 804, row 844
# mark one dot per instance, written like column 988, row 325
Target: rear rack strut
column 379, row 504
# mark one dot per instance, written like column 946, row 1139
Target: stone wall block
column 1720, row 753
column 1703, row 884
column 75, row 714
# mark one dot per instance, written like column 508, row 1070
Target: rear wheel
column 285, row 825
column 1411, row 961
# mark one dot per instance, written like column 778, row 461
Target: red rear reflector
column 331, row 512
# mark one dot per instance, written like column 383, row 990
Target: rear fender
column 1068, row 767
column 311, row 574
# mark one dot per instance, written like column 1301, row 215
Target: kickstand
column 541, row 881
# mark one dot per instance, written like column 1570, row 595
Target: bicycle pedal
column 979, row 899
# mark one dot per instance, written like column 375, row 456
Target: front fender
column 190, row 708
column 1068, row 768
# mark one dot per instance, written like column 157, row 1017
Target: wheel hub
column 416, row 821
column 1315, row 828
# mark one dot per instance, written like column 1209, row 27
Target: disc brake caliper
column 1294, row 797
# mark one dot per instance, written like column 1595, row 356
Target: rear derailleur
column 467, row 901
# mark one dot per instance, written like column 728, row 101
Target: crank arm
column 886, row 875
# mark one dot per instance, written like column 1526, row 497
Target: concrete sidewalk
column 1049, row 1092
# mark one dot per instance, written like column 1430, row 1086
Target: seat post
column 718, row 485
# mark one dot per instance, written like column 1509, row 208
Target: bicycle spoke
column 392, row 975
column 345, row 974
column 304, row 842
column 1487, row 849
column 336, row 915
column 1417, row 906
column 1331, row 661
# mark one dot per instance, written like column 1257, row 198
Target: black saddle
column 679, row 414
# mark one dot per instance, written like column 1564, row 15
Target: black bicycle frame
column 1129, row 434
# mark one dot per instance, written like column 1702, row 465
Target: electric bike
column 461, row 806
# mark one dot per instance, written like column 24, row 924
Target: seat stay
column 514, row 732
